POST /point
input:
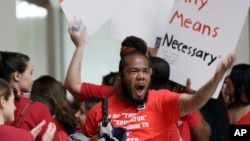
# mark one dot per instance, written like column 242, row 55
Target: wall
column 32, row 41
column 8, row 39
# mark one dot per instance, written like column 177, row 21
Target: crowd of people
column 142, row 103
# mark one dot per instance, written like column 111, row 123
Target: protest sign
column 199, row 34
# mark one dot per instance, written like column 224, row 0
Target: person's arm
column 188, row 103
column 202, row 127
column 197, row 126
column 73, row 77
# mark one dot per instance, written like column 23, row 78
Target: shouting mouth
column 140, row 90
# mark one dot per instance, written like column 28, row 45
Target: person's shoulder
column 161, row 92
column 6, row 127
column 38, row 104
column 23, row 100
column 245, row 119
column 39, row 109
column 158, row 91
column 163, row 95
column 7, row 131
column 28, row 102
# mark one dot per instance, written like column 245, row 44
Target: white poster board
column 198, row 36
column 143, row 18
column 93, row 13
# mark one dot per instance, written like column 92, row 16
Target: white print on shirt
column 130, row 121
column 133, row 119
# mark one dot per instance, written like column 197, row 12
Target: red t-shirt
column 34, row 115
column 92, row 90
column 151, row 123
column 9, row 133
column 245, row 120
column 190, row 121
column 174, row 134
column 60, row 131
column 62, row 135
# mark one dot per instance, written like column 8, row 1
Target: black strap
column 105, row 111
column 26, row 108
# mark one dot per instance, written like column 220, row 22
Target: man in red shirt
column 146, row 114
